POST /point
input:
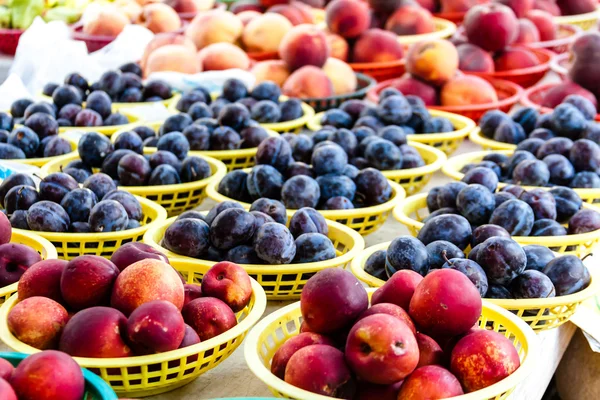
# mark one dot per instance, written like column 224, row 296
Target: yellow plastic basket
column 71, row 245
column 40, row 162
column 39, row 244
column 233, row 159
column 280, row 282
column 413, row 210
column 174, row 198
column 489, row 144
column 363, row 220
column 454, row 165
column 275, row 329
column 143, row 376
column 443, row 30
column 585, row 21
column 539, row 314
column 446, row 142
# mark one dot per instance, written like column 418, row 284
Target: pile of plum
column 572, row 119
column 259, row 236
column 461, row 212
column 556, row 161
column 123, row 85
column 497, row 265
column 124, row 163
column 239, row 107
column 394, row 109
column 61, row 205
column 338, row 185
column 37, row 139
column 91, row 297
column 183, row 132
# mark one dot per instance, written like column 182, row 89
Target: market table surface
column 232, row 378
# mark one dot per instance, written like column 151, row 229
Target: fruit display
column 112, row 306
column 346, row 349
column 42, row 375
column 19, row 15
column 123, row 85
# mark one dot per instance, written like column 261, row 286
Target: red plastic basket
column 524, row 77
column 9, row 40
column 381, row 71
column 566, row 35
column 456, row 17
column 560, row 65
column 93, row 42
column 508, row 92
column 188, row 16
column 263, row 55
column 534, row 96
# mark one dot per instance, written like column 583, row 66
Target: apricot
column 430, row 353
column 445, row 303
column 165, row 39
column 575, row 7
column 381, row 349
column 385, row 6
column 101, row 327
column 15, row 258
column 107, row 22
column 87, row 281
column 190, row 338
column 556, row 94
column 265, row 33
column 410, row 19
column 38, row 322
column 6, row 391
column 547, row 5
column 6, row 369
column 430, row 382
column 191, row 292
column 390, row 309
column 338, row 46
column 229, row 283
column 341, row 76
column 491, row 26
column 434, row 61
column 247, row 16
column 321, row 369
column 145, row 281
column 5, row 229
column 305, row 8
column 544, row 24
column 293, row 14
column 519, row 7
column 174, row 58
column 209, row 317
column 191, row 6
column 133, row 252
column 409, row 85
column 528, row 32
column 222, row 56
column 458, row 6
column 291, row 346
column 241, row 6
column 155, row 327
column 467, row 90
column 331, row 300
column 308, row 82
column 399, row 289
column 271, row 70
column 159, row 17
column 483, row 358
column 304, row 45
column 347, row 18
column 474, row 59
column 371, row 391
column 516, row 58
column 375, row 46
column 42, row 279
column 214, row 26
column 48, row 375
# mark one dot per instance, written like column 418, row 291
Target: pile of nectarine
column 421, row 342
column 46, row 375
column 136, row 305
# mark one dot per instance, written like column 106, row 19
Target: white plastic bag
column 211, row 80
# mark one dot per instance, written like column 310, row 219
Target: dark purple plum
column 100, row 184
column 7, row 122
column 111, row 162
column 129, row 140
column 225, row 138
column 568, row 121
column 88, row 118
column 441, row 211
column 80, row 175
column 338, row 203
column 531, row 173
column 514, row 160
column 335, row 186
column 42, row 124
column 351, row 171
column 502, row 259
column 276, row 152
column 78, row 204
column 187, row 237
column 531, row 145
column 383, row 155
column 302, row 147
column 394, row 110
column 198, row 137
column 375, row 265
column 300, row 191
column 188, row 98
column 57, row 146
column 585, row 155
column 359, row 162
column 273, row 208
column 484, row 232
column 585, row 180
column 13, row 180
column 509, row 132
column 164, row 157
column 234, row 186
column 472, row 270
column 329, row 159
column 440, row 251
column 449, row 227
column 407, row 252
column 217, row 105
column 483, row 176
column 515, row 216
column 192, row 214
column 47, row 216
column 558, row 145
column 584, row 221
column 131, row 81
column 372, row 188
column 447, row 194
column 116, row 119
column 93, row 149
column 560, row 168
column 252, row 137
column 265, row 112
column 18, row 220
column 313, row 247
column 194, row 168
column 394, row 134
column 231, row 228
column 56, row 185
column 274, row 244
column 131, row 95
column 144, row 132
column 164, row 175
column 515, row 190
column 496, row 158
column 308, row 220
column 346, row 140
column 541, row 202
column 234, row 90
column 502, row 197
column 199, row 110
column 336, row 118
column 20, row 197
column 353, row 107
column 537, row 257
column 541, row 133
column 244, row 255
column 41, row 107
column 526, row 117
column 18, row 107
column 111, row 82
column 176, row 123
column 108, row 216
column 132, row 67
column 24, row 139
column 261, row 218
column 290, row 110
column 567, row 202
column 49, row 88
column 4, row 136
column 128, row 201
column 264, row 181
column 498, row 292
column 219, row 208
column 160, row 88
column 547, row 227
column 66, row 94
column 532, row 284
column 491, row 120
column 235, row 116
column 432, row 199
column 266, row 90
column 568, row 275
column 476, row 203
column 176, row 143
